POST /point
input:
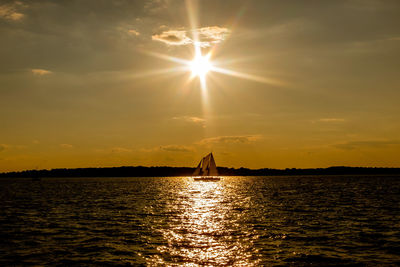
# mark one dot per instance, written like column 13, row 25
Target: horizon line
column 223, row 167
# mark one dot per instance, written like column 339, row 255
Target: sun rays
column 200, row 65
column 205, row 43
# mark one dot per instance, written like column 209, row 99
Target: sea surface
column 175, row 221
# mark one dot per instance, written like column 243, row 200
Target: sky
column 293, row 84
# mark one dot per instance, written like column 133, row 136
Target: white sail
column 206, row 167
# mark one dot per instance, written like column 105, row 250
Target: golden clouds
column 207, row 36
column 133, row 32
column 234, row 139
column 177, row 148
column 191, row 119
column 173, row 38
column 3, row 147
column 377, row 144
column 10, row 11
column 40, row 72
column 170, row 148
column 68, row 146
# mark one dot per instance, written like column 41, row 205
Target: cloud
column 40, row 72
column 207, row 36
column 230, row 139
column 133, row 32
column 212, row 35
column 172, row 38
column 120, row 150
column 239, row 139
column 66, row 146
column 371, row 143
column 10, row 12
column 156, row 6
column 332, row 120
column 395, row 38
column 177, row 148
column 190, row 119
column 170, row 148
column 115, row 150
column 3, row 147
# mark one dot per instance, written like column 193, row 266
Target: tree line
column 141, row 171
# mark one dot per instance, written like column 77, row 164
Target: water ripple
column 238, row 221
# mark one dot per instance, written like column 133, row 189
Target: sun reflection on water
column 203, row 231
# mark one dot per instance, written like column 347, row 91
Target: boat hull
column 206, row 178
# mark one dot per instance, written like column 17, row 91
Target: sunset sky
column 108, row 83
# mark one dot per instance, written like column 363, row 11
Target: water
column 242, row 221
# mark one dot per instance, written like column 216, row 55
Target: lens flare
column 200, row 65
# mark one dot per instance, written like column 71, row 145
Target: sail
column 213, row 167
column 206, row 167
column 197, row 171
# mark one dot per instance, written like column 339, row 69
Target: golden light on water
column 203, row 230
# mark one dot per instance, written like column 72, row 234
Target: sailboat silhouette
column 206, row 170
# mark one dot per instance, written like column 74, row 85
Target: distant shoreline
column 140, row 171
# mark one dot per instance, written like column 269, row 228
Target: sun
column 200, row 65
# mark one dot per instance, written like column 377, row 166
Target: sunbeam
column 247, row 76
column 201, row 65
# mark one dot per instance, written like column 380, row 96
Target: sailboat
column 206, row 170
